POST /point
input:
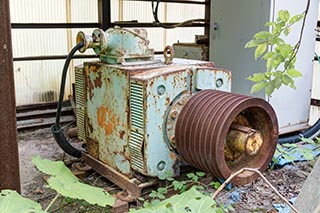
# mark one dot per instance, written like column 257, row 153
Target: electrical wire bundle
column 190, row 22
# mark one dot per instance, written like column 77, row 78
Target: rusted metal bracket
column 132, row 186
column 315, row 102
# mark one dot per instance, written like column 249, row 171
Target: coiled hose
column 312, row 132
column 56, row 128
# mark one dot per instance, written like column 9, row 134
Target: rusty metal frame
column 53, row 25
column 177, row 1
column 52, row 57
column 9, row 156
column 104, row 14
column 149, row 24
column 132, row 186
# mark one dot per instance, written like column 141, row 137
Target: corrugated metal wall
column 39, row 81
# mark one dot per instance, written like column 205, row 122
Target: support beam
column 104, row 9
column 9, row 157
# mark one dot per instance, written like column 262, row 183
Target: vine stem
column 52, row 202
column 297, row 46
column 262, row 176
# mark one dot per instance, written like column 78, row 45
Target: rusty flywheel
column 221, row 132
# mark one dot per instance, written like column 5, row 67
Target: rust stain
column 172, row 156
column 97, row 81
column 89, row 125
column 167, row 101
column 107, row 124
column 122, row 134
column 93, row 147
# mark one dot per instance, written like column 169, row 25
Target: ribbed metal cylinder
column 204, row 123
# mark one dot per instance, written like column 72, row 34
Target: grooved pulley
column 221, row 132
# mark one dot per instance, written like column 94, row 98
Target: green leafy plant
column 67, row 185
column 159, row 202
column 280, row 57
column 61, row 180
column 189, row 201
column 11, row 201
column 288, row 151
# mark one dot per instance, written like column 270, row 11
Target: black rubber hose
column 312, row 132
column 56, row 128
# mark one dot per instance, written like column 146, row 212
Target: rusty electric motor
column 138, row 114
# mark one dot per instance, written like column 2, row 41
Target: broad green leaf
column 161, row 196
column 65, row 183
column 77, row 190
column 153, row 194
column 285, row 50
column 291, row 85
column 12, row 202
column 269, row 24
column 215, row 185
column 155, row 202
column 279, row 41
column 260, row 50
column 269, row 89
column 177, row 185
column 268, row 55
column 294, row 73
column 269, row 64
column 307, row 154
column 286, row 79
column 189, row 201
column 263, row 34
column 307, row 140
column 286, row 31
column 277, row 74
column 54, row 168
column 289, row 158
column 277, row 83
column 257, row 77
column 296, row 18
column 290, row 145
column 200, row 174
column 284, row 15
column 195, row 178
column 257, row 87
column 190, row 175
column 162, row 190
column 251, row 43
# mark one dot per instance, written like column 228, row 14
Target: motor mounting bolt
column 174, row 114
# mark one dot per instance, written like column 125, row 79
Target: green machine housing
column 126, row 114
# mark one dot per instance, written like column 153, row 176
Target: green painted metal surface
column 127, row 108
column 107, row 115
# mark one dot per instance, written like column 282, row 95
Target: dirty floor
column 254, row 197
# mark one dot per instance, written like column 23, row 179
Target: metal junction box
column 126, row 113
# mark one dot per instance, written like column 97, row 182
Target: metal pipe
column 53, row 25
column 9, row 156
column 178, row 1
